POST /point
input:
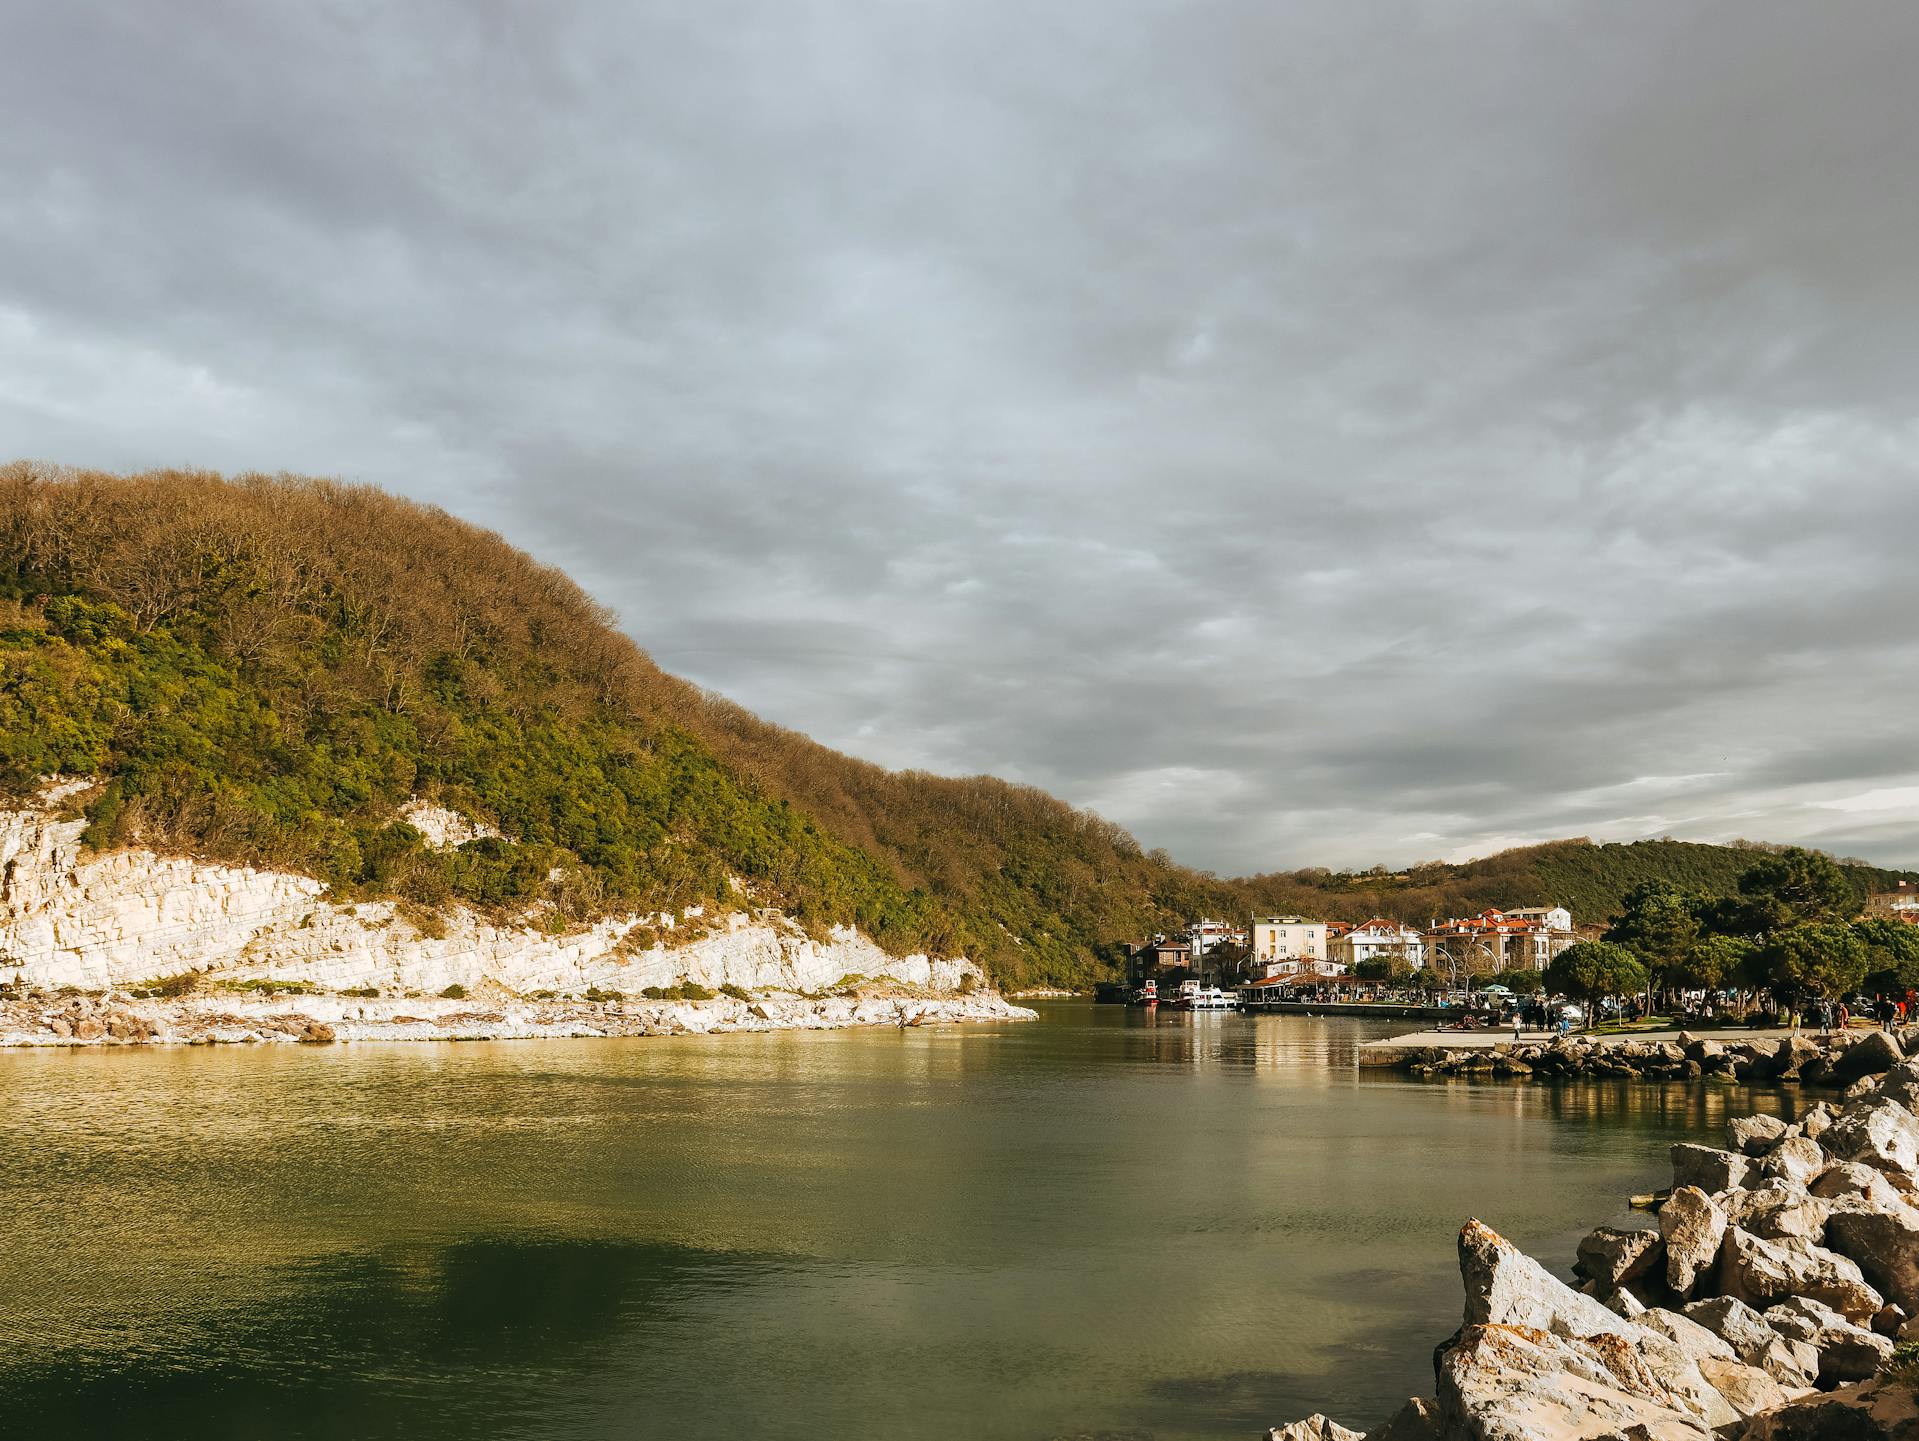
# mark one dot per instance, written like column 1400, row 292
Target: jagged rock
column 1692, row 1228
column 1792, row 1363
column 1882, row 1135
column 1610, row 1257
column 1692, row 1338
column 1883, row 1410
column 1891, row 1319
column 1708, row 1168
column 1855, row 1178
column 1622, row 1302
column 1520, row 1383
column 1846, row 1352
column 1884, row 1242
column 1505, row 1287
column 314, row 1032
column 1794, row 1159
column 1763, row 1273
column 1754, row 1135
column 89, row 1028
column 1747, row 1389
column 1778, row 1209
column 1417, row 1420
column 1818, row 1121
column 1791, row 1054
column 60, row 1026
column 1871, row 1054
column 1315, row 1428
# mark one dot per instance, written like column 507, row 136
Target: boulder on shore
column 1610, row 1257
column 1884, row 1410
column 1692, row 1227
column 1708, row 1168
column 1315, row 1428
column 1762, row 1273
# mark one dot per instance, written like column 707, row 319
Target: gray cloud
column 1308, row 434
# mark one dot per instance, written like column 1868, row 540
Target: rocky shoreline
column 1775, row 1299
column 1836, row 1059
column 116, row 1019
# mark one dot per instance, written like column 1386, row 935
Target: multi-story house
column 1497, row 940
column 1378, row 940
column 1286, row 938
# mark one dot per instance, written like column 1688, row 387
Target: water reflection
column 1109, row 1223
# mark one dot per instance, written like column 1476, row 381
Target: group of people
column 1888, row 1011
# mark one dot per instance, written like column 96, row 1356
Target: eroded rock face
column 1708, row 1168
column 1692, row 1227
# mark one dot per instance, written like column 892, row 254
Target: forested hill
column 265, row 670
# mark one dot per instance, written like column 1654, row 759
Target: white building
column 1206, row 935
column 1284, row 938
column 1553, row 918
column 1379, row 940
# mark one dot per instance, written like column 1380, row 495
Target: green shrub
column 738, row 993
column 454, row 992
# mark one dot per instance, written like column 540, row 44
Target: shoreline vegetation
column 1775, row 1298
column 237, row 1018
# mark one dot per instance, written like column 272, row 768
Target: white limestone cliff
column 121, row 918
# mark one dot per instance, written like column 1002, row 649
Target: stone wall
column 123, row 918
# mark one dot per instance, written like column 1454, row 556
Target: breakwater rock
column 1838, row 1059
column 1769, row 1299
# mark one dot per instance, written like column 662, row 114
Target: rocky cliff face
column 132, row 916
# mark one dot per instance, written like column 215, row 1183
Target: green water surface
column 1105, row 1224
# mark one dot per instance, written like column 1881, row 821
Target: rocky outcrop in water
column 1838, row 1059
column 1766, row 1302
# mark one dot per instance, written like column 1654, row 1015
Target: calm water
column 1096, row 1226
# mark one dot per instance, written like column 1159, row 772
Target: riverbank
column 1771, row 1300
column 117, row 1019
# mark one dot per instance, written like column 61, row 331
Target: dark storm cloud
column 1319, row 433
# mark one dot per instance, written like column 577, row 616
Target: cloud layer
column 1308, row 434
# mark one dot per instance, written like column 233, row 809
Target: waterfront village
column 1220, row 965
column 1284, row 960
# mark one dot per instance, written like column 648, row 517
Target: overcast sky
column 1305, row 433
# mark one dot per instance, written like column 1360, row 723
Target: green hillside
column 265, row 670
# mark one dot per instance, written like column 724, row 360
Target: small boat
column 1212, row 998
column 1147, row 994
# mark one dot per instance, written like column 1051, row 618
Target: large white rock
column 1763, row 1273
column 1884, row 1135
column 1692, row 1227
column 1314, row 1428
column 1519, row 1383
column 1506, row 1287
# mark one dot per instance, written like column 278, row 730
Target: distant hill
column 266, row 670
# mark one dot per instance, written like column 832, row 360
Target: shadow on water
column 483, row 1337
